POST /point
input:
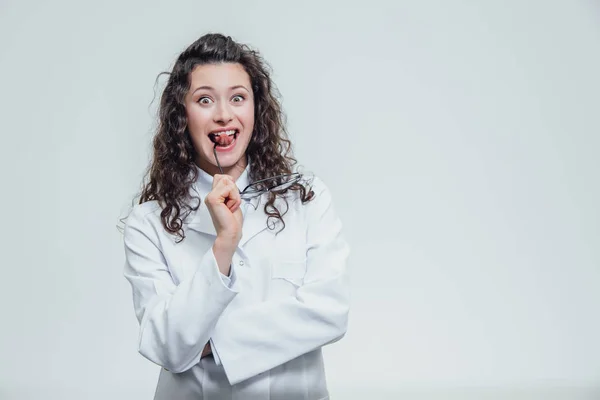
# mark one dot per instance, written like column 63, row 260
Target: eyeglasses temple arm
column 297, row 176
column 217, row 159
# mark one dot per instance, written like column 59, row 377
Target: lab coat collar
column 204, row 181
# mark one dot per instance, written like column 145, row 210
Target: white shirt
column 287, row 296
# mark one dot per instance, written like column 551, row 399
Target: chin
column 226, row 159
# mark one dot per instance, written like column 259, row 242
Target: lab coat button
column 241, row 262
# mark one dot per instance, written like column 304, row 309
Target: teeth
column 229, row 133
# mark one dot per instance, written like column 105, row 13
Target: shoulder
column 318, row 185
column 321, row 214
column 143, row 215
column 322, row 199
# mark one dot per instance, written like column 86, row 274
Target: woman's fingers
column 218, row 178
column 227, row 190
column 230, row 203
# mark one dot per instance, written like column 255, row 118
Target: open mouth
column 224, row 139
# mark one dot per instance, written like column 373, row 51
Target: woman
column 236, row 291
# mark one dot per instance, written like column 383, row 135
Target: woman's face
column 220, row 99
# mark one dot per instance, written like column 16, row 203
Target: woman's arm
column 176, row 321
column 262, row 336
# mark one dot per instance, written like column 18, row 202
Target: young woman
column 237, row 264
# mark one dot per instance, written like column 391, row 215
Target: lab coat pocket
column 286, row 277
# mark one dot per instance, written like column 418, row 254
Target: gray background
column 460, row 140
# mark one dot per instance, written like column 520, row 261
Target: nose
column 223, row 113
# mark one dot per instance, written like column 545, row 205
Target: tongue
column 224, row 140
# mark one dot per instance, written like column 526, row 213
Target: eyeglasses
column 273, row 184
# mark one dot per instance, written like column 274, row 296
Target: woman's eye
column 239, row 97
column 204, row 100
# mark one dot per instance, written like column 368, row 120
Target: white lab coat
column 287, row 297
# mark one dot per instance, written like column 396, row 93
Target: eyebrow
column 212, row 88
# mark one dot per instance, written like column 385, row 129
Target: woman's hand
column 223, row 203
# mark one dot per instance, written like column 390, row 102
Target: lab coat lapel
column 201, row 221
column 255, row 219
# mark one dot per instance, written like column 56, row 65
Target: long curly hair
column 172, row 170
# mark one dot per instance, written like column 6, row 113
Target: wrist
column 225, row 244
column 223, row 251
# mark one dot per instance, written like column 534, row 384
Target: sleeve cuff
column 228, row 281
column 225, row 282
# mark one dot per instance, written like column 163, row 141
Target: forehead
column 220, row 76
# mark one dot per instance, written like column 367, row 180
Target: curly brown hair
column 173, row 171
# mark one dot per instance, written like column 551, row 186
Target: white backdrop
column 460, row 140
